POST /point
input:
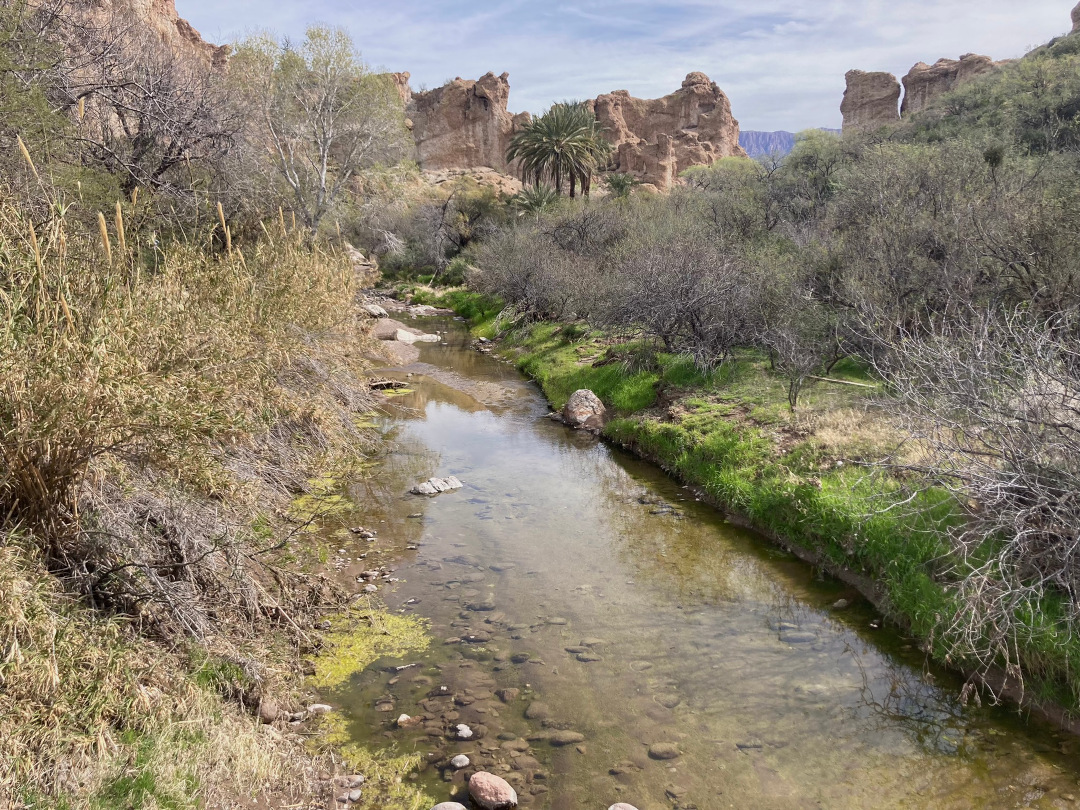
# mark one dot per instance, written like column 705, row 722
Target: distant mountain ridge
column 768, row 143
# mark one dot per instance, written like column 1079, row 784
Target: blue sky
column 782, row 62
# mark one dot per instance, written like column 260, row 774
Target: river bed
column 606, row 637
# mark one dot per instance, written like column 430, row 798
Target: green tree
column 566, row 142
column 324, row 117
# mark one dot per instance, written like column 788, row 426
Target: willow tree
column 565, row 143
column 321, row 114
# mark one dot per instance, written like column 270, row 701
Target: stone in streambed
column 449, row 806
column 459, row 762
column 561, row 738
column 491, row 792
column 664, row 751
column 622, row 806
column 538, row 711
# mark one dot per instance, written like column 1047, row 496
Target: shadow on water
column 607, row 638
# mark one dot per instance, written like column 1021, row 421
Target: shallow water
column 630, row 614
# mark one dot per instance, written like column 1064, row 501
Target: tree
column 565, row 142
column 322, row 115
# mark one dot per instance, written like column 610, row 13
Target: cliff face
column 160, row 18
column 924, row 82
column 1076, row 19
column 870, row 100
column 655, row 139
column 463, row 124
column 466, row 124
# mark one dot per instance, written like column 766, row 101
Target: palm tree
column 565, row 142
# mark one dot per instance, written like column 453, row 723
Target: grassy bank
column 810, row 479
column 171, row 414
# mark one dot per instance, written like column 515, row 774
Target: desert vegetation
column 180, row 363
column 929, row 272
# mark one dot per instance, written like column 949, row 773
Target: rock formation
column 870, row 100
column 161, row 18
column 462, row 124
column 1076, row 19
column 656, row 139
column 924, row 82
column 465, row 125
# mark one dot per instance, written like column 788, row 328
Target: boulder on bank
column 492, row 792
column 584, row 410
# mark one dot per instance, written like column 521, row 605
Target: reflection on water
column 608, row 638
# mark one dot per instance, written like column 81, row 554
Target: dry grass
column 161, row 404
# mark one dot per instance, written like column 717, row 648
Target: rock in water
column 449, row 806
column 433, row 486
column 584, row 410
column 664, row 751
column 492, row 792
column 622, row 806
column 460, row 761
column 375, row 311
column 463, row 732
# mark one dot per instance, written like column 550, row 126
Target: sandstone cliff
column 463, row 124
column 656, row 139
column 466, row 124
column 924, row 82
column 161, row 19
column 870, row 100
column 1076, row 19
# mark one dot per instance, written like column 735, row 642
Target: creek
column 609, row 638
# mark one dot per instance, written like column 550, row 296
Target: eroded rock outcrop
column 161, row 18
column 466, row 124
column 871, row 100
column 462, row 124
column 656, row 139
column 924, row 82
column 1076, row 19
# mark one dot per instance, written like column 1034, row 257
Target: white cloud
column 782, row 62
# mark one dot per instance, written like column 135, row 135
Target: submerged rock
column 449, row 806
column 460, row 761
column 433, row 486
column 664, row 751
column 622, row 806
column 491, row 792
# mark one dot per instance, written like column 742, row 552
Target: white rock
column 319, row 708
column 355, row 795
column 403, row 719
column 375, row 311
column 460, row 761
column 452, row 482
column 424, row 489
column 464, row 732
column 622, row 806
column 404, row 337
column 449, row 806
column 370, row 588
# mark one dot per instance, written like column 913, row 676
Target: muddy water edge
column 605, row 637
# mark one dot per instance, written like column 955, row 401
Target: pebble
column 463, row 732
column 561, row 738
column 491, row 792
column 664, row 751
column 370, row 588
column 840, row 604
column 589, row 658
column 449, row 806
column 460, row 761
column 622, row 806
column 538, row 711
column 355, row 795
column 319, row 708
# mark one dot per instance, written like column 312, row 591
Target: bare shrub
column 993, row 402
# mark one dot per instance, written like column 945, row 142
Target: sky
column 781, row 62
